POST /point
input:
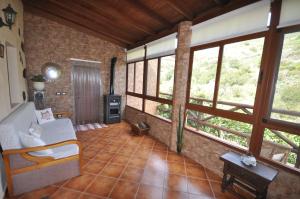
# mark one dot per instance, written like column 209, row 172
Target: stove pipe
column 112, row 75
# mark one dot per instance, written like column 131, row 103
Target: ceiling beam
column 76, row 18
column 78, row 27
column 149, row 12
column 180, row 7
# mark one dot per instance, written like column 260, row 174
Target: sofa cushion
column 35, row 130
column 58, row 131
column 44, row 116
column 32, row 141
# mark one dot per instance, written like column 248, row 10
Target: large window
column 157, row 99
column 286, row 102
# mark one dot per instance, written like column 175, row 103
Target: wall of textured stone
column 48, row 41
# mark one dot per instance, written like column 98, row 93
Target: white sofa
column 25, row 172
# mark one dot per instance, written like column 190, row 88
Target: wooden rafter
column 180, row 7
column 151, row 13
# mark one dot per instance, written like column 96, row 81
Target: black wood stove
column 112, row 102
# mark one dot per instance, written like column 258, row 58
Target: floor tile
column 112, row 170
column 133, row 174
column 196, row 171
column 40, row 193
column 176, row 182
column 120, row 159
column 65, row 193
column 169, row 194
column 199, row 187
column 104, row 156
column 216, row 187
column 79, row 183
column 124, row 190
column 176, row 168
column 152, row 177
column 102, row 186
column 94, row 167
column 173, row 157
column 138, row 162
column 212, row 176
column 149, row 192
column 89, row 196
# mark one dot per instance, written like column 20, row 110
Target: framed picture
column 1, row 50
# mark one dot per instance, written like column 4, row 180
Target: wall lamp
column 9, row 15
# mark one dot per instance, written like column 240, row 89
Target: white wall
column 12, row 38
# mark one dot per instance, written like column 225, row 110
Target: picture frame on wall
column 1, row 51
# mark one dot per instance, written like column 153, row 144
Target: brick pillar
column 181, row 75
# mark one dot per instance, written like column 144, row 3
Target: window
column 166, row 80
column 239, row 73
column 203, row 76
column 158, row 109
column 135, row 77
column 281, row 147
column 152, row 77
column 233, row 132
column 286, row 101
column 135, row 102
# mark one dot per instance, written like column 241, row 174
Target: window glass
column 203, row 76
column 130, row 78
column 281, row 147
column 239, row 74
column 166, row 80
column 152, row 77
column 139, row 76
column 233, row 132
column 286, row 103
column 135, row 102
column 158, row 109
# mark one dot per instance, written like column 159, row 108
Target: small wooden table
column 254, row 179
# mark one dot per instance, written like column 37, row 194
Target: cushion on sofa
column 32, row 141
column 35, row 130
column 44, row 116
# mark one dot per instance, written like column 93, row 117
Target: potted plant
column 38, row 82
column 179, row 132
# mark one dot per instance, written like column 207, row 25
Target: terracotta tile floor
column 119, row 165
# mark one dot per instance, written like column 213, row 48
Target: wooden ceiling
column 129, row 23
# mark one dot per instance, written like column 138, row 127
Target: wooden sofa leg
column 8, row 175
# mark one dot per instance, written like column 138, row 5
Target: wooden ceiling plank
column 150, row 12
column 59, row 12
column 83, row 12
column 70, row 24
column 121, row 15
column 180, row 7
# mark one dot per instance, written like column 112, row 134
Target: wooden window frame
column 144, row 95
column 214, row 110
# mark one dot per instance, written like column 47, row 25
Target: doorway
column 87, row 93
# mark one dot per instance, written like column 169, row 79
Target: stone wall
column 48, row 41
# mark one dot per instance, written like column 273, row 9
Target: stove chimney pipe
column 112, row 75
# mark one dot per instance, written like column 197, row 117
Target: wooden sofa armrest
column 40, row 161
column 40, row 148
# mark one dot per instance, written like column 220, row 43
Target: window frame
column 144, row 95
column 214, row 110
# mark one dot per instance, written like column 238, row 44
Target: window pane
column 130, row 77
column 279, row 150
column 152, row 77
column 233, row 132
column 166, row 80
column 239, row 74
column 158, row 109
column 135, row 102
column 203, row 76
column 286, row 105
column 139, row 75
